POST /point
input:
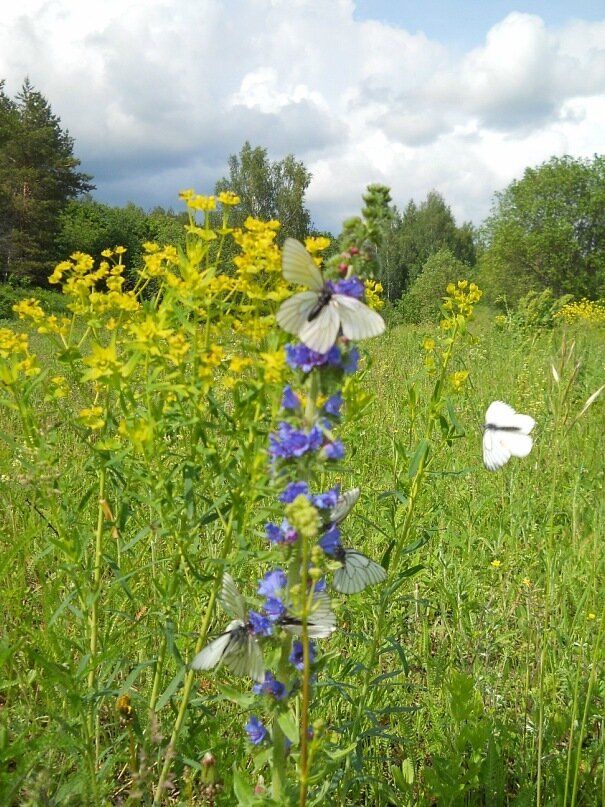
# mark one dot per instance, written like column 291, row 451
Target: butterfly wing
column 231, row 600
column 245, row 657
column 322, row 331
column 358, row 320
column 299, row 267
column 293, row 313
column 321, row 622
column 357, row 573
column 502, row 416
column 215, row 653
column 345, row 503
column 495, row 450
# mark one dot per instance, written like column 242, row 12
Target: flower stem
column 93, row 723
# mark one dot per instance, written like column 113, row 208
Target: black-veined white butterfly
column 237, row 648
column 321, row 622
column 357, row 571
column 317, row 316
column 506, row 434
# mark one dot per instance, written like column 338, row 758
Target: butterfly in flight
column 357, row 571
column 506, row 434
column 238, row 647
column 317, row 316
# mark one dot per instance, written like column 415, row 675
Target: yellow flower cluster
column 584, row 310
column 15, row 357
column 185, row 322
column 460, row 301
column 372, row 296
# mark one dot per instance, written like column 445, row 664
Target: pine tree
column 38, row 177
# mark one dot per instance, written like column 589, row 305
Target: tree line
column 545, row 230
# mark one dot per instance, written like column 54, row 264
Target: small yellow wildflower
column 457, row 379
column 238, row 363
column 228, row 198
column 92, row 417
column 316, row 243
column 273, row 365
column 429, row 345
column 496, row 563
column 526, row 582
column 591, row 615
column 29, row 309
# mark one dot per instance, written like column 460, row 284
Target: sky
column 426, row 95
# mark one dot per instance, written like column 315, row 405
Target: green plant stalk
column 596, row 655
column 93, row 724
column 190, row 677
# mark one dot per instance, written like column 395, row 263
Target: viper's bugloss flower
column 272, row 582
column 351, row 287
column 334, row 404
column 255, row 730
column 271, row 686
column 301, row 357
column 351, row 360
column 334, row 451
column 274, row 608
column 327, row 500
column 290, row 399
column 260, row 624
column 290, row 443
column 296, row 656
column 293, row 490
column 286, row 534
column 330, row 540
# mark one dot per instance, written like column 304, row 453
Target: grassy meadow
column 474, row 676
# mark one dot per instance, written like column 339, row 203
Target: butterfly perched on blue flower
column 356, row 571
column 318, row 316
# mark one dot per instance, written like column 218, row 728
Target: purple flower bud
column 272, row 582
column 261, row 626
column 351, row 361
column 274, row 608
column 255, row 730
column 330, row 540
column 327, row 500
column 334, row 404
column 293, row 490
column 334, row 451
column 351, row 287
column 290, row 399
column 270, row 686
column 296, row 656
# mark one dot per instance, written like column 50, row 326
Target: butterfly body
column 506, row 434
column 318, row 316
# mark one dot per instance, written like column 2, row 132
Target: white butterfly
column 321, row 622
column 357, row 571
column 317, row 316
column 237, row 648
column 505, row 435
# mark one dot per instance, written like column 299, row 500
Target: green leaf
column 243, row 699
column 288, row 725
column 420, row 454
column 170, row 690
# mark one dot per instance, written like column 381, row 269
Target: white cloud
column 158, row 94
